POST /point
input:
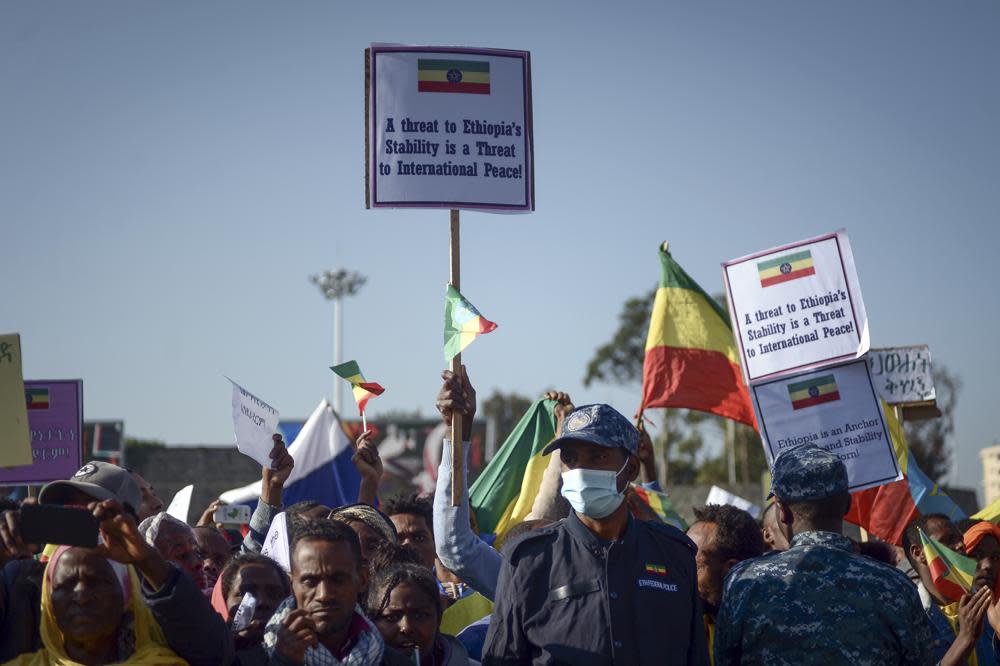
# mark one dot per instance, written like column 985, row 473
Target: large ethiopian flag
column 691, row 359
column 505, row 491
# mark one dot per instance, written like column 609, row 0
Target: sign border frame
column 371, row 188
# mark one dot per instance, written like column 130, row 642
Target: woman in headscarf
column 371, row 525
column 93, row 614
column 982, row 543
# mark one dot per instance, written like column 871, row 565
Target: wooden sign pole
column 457, row 459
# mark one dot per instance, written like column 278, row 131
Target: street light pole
column 334, row 285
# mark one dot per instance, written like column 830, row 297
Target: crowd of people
column 591, row 576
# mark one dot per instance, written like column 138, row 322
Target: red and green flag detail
column 661, row 504
column 462, row 323
column 885, row 511
column 951, row 572
column 786, row 268
column 814, row 391
column 505, row 491
column 36, row 398
column 453, row 76
column 691, row 359
column 363, row 390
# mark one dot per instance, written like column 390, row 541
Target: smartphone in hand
column 57, row 524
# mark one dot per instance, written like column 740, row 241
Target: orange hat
column 977, row 533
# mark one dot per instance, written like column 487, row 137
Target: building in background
column 990, row 457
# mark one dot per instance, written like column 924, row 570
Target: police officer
column 598, row 587
column 818, row 602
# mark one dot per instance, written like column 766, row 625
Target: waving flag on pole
column 323, row 469
column 462, row 323
column 885, row 511
column 951, row 572
column 363, row 391
column 691, row 359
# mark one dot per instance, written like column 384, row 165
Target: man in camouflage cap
column 818, row 602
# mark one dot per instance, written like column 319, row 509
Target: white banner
column 254, row 422
column 722, row 496
column 180, row 505
column 276, row 542
column 449, row 128
column 903, row 374
column 797, row 307
column 835, row 408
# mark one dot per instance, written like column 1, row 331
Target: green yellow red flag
column 660, row 503
column 951, row 572
column 505, row 491
column 453, row 76
column 363, row 390
column 462, row 323
column 691, row 359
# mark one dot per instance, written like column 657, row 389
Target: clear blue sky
column 171, row 172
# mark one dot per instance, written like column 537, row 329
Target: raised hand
column 564, row 407
column 457, row 395
column 273, row 478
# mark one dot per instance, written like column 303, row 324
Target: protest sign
column 55, row 421
column 796, row 308
column 719, row 495
column 180, row 505
column 254, row 422
column 276, row 542
column 448, row 128
column 836, row 408
column 903, row 375
column 16, row 446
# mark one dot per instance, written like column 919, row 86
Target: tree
column 507, row 409
column 620, row 361
column 929, row 439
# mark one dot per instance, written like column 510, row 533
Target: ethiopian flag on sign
column 505, row 491
column 363, row 391
column 462, row 323
column 782, row 269
column 691, row 359
column 36, row 398
column 951, row 572
column 813, row 391
column 453, row 76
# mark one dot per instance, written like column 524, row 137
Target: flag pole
column 457, row 459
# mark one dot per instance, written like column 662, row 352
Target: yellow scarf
column 150, row 644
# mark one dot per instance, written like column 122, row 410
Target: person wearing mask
column 403, row 603
column 725, row 536
column 599, row 587
column 960, row 634
column 817, row 602
column 321, row 622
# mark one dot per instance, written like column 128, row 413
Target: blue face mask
column 593, row 492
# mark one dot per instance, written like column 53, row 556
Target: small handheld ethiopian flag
column 462, row 323
column 951, row 572
column 363, row 391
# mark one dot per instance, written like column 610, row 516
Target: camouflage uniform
column 818, row 602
